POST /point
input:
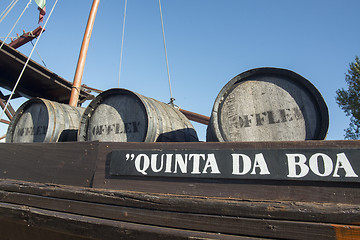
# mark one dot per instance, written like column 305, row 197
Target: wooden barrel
column 41, row 120
column 119, row 115
column 268, row 104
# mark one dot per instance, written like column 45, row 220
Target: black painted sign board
column 333, row 164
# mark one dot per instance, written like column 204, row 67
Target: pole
column 7, row 112
column 4, row 121
column 196, row 117
column 75, row 91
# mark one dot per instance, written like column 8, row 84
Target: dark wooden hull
column 65, row 191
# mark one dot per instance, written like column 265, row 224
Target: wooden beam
column 196, row 117
column 26, row 37
column 7, row 111
column 36, row 81
column 4, row 121
column 74, row 98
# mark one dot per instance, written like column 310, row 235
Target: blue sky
column 208, row 43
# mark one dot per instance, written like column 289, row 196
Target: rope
column 15, row 23
column 7, row 10
column 166, row 58
column 27, row 61
column 38, row 54
column 122, row 42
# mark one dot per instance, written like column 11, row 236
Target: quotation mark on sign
column 130, row 156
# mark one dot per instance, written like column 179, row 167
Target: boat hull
column 45, row 192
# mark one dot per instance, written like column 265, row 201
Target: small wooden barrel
column 41, row 120
column 268, row 104
column 119, row 115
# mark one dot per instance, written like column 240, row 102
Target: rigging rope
column 166, row 58
column 38, row 54
column 122, row 42
column 15, row 24
column 7, row 10
column 27, row 61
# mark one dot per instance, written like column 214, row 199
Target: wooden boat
column 228, row 190
column 71, row 191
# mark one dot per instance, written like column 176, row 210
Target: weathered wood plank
column 20, row 192
column 20, row 231
column 27, row 220
column 195, row 222
column 312, row 144
column 66, row 163
column 347, row 233
column 289, row 226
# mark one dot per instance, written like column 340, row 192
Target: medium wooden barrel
column 120, row 115
column 268, row 104
column 41, row 120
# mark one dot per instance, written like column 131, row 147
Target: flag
column 42, row 8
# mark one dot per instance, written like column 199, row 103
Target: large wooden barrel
column 120, row 115
column 268, row 104
column 41, row 120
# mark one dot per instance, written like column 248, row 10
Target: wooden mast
column 82, row 56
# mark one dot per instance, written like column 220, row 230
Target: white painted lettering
column 261, row 164
column 211, row 163
column 181, row 162
column 327, row 163
column 168, row 163
column 343, row 162
column 236, row 164
column 196, row 162
column 292, row 164
column 142, row 163
column 154, row 162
